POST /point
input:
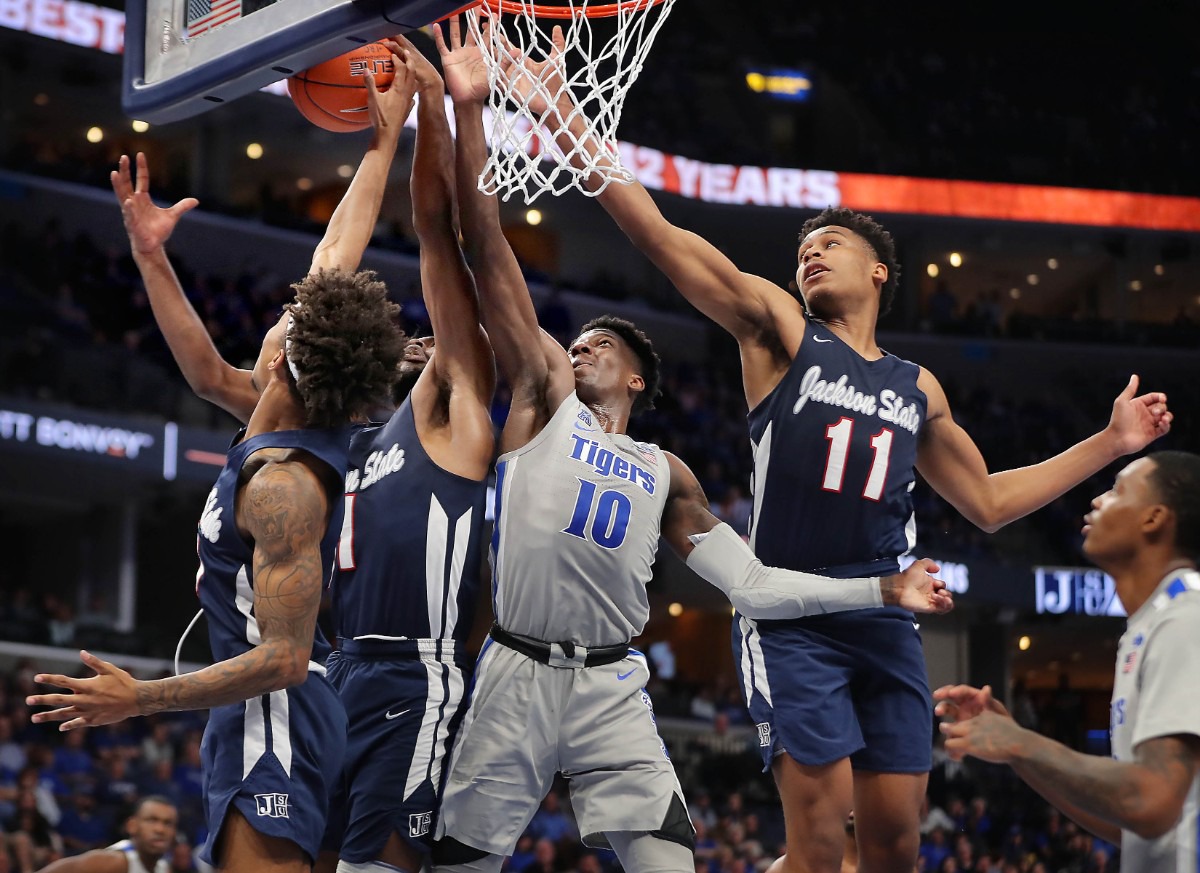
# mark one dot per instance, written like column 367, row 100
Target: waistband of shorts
column 561, row 654
column 376, row 649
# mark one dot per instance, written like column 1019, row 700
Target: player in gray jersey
column 1145, row 531
column 151, row 830
column 580, row 509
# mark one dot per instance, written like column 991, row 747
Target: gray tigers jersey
column 1158, row 659
column 578, row 513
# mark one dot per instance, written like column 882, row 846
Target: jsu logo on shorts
column 419, row 823
column 272, row 805
column 764, row 734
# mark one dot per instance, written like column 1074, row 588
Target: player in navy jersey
column 406, row 583
column 408, row 562
column 272, row 748
column 271, row 763
column 579, row 511
column 839, row 426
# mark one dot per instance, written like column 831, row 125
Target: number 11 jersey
column 835, row 447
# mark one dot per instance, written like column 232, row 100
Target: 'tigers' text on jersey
column 608, row 463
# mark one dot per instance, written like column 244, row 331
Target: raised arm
column 742, row 303
column 353, row 223
column 537, row 370
column 284, row 509
column 954, row 467
column 717, row 554
column 463, row 362
column 149, row 227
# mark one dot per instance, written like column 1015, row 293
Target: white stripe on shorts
column 281, row 729
column 752, row 657
column 254, row 735
column 418, row 767
column 457, row 689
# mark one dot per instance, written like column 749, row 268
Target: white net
column 536, row 149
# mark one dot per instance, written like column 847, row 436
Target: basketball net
column 603, row 54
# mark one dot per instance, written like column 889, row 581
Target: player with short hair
column 151, row 828
column 276, row 732
column 579, row 510
column 1145, row 531
column 839, row 427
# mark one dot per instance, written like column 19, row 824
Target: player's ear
column 879, row 273
column 1156, row 520
column 636, row 383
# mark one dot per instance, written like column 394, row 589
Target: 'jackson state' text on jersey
column 835, row 446
column 225, row 583
column 408, row 558
column 578, row 513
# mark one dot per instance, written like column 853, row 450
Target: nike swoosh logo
column 621, row 676
column 391, row 715
column 817, row 339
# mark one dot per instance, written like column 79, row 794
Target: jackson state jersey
column 225, row 583
column 409, row 554
column 835, row 447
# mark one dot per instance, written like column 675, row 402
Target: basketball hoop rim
column 542, row 10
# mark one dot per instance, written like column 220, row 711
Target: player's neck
column 612, row 419
column 148, row 861
column 1143, row 574
column 856, row 331
column 277, row 409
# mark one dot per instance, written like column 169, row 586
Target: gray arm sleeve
column 723, row 558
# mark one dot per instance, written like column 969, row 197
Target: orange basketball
column 333, row 94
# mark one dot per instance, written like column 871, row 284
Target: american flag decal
column 204, row 15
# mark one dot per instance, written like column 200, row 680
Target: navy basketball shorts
column 827, row 687
column 276, row 759
column 404, row 700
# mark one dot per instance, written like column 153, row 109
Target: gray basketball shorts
column 528, row 721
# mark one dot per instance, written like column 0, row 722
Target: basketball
column 333, row 94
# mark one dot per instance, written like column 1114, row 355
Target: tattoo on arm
column 1127, row 794
column 284, row 510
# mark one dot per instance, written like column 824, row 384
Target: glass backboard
column 183, row 57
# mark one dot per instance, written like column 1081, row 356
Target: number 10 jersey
column 578, row 512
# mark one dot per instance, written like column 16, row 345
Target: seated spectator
column 82, row 827
column 550, row 822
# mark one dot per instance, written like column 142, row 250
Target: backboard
column 184, row 57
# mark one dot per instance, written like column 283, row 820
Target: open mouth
column 815, row 270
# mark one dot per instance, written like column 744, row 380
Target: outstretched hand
column 422, row 71
column 955, row 703
column 918, row 591
column 148, row 226
column 542, row 84
column 109, row 696
column 462, row 63
column 988, row 736
column 389, row 109
column 1138, row 421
